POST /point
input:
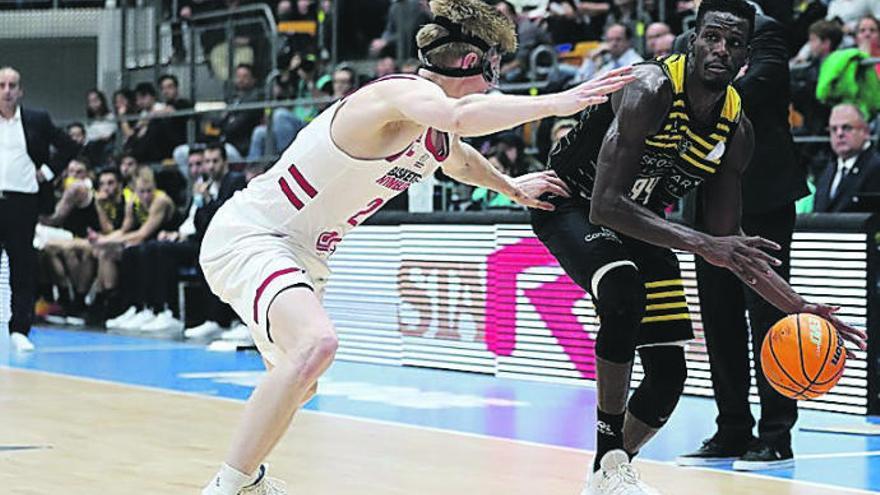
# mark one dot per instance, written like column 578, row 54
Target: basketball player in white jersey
column 266, row 250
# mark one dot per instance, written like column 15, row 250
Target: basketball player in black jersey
column 679, row 125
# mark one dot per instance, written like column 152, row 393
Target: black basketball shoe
column 715, row 452
column 761, row 456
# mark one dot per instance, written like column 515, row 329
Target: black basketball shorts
column 588, row 252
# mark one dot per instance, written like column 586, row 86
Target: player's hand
column 847, row 332
column 744, row 256
column 591, row 92
column 528, row 188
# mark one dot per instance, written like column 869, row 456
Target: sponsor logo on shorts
column 603, row 233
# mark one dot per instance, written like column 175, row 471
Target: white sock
column 228, row 481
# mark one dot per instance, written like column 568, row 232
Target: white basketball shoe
column 266, row 486
column 617, row 476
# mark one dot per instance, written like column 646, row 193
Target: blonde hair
column 145, row 175
column 476, row 18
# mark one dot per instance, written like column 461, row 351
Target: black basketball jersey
column 676, row 159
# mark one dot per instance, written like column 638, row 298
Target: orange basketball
column 802, row 356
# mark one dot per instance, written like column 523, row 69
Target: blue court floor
column 547, row 414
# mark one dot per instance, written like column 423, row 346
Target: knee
column 620, row 304
column 663, row 385
column 314, row 356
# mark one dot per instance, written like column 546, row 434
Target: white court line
column 813, row 484
column 867, row 453
column 113, row 348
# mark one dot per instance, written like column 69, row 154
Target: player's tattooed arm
column 467, row 165
column 640, row 110
column 745, row 256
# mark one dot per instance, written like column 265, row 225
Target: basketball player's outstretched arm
column 426, row 104
column 467, row 165
column 722, row 207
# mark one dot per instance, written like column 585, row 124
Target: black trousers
column 155, row 267
column 724, row 300
column 18, row 219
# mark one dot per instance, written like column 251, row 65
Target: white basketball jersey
column 316, row 193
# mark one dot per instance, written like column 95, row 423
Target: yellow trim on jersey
column 664, row 283
column 677, row 316
column 697, row 164
column 679, row 115
column 661, row 145
column 657, row 307
column 676, row 66
column 723, row 127
column 665, row 295
column 732, row 105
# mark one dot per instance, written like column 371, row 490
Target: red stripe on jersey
column 265, row 284
column 290, row 195
column 303, row 183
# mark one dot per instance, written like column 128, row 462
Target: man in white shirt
column 856, row 168
column 25, row 136
column 616, row 51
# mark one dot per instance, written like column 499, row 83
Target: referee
column 25, row 136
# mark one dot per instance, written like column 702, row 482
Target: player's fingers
column 553, row 179
column 762, row 256
column 760, row 242
column 851, row 334
column 615, row 73
column 554, row 189
column 741, row 268
column 541, row 205
column 610, row 86
column 593, row 100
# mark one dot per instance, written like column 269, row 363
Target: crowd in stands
column 136, row 200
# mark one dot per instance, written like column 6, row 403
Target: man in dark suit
column 25, row 136
column 856, row 168
column 772, row 183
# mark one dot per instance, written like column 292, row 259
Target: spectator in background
column 653, row 34
column 148, row 140
column 158, row 262
column 624, row 12
column 344, row 81
column 148, row 212
column 100, row 128
column 77, row 132
column 26, row 168
column 824, row 38
column 128, row 169
column 615, row 51
column 529, row 35
column 868, row 38
column 70, row 260
column 385, row 66
column 850, row 11
column 663, row 46
column 507, row 154
column 405, row 17
column 410, row 66
column 176, row 127
column 595, row 15
column 856, row 167
column 563, row 21
column 286, row 123
column 238, row 126
column 842, row 77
